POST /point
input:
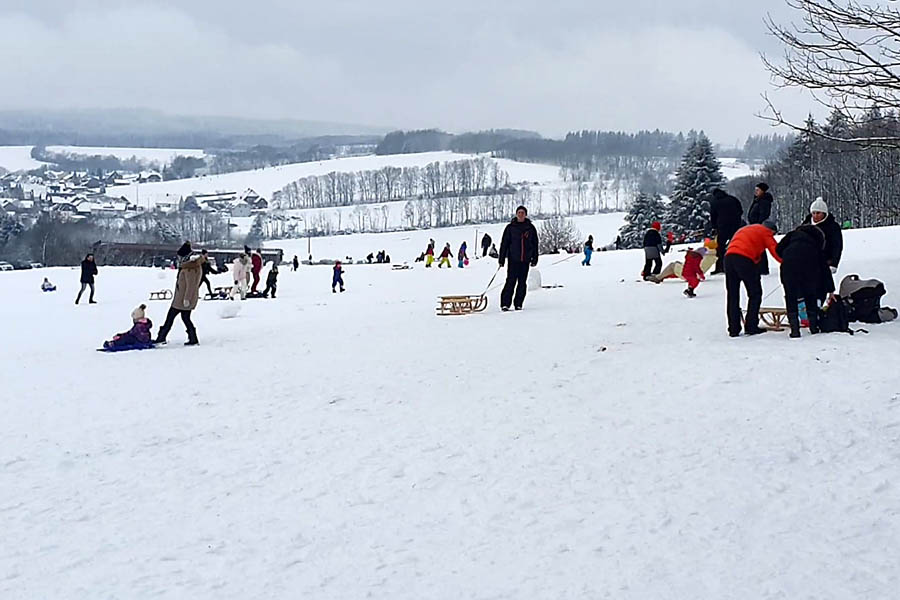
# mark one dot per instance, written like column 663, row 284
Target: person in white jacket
column 241, row 271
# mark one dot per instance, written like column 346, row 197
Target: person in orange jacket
column 742, row 266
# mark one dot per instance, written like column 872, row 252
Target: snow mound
column 230, row 310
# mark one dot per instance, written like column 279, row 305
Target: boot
column 192, row 338
column 812, row 315
column 794, row 322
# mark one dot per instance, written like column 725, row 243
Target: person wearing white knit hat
column 138, row 313
column 821, row 217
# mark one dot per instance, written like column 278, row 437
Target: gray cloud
column 550, row 66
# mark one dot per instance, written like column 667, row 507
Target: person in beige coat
column 187, row 295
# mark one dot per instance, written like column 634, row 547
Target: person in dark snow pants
column 338, row 277
column 802, row 253
column 485, row 245
column 725, row 216
column 741, row 267
column 759, row 212
column 271, row 281
column 653, row 251
column 187, row 294
column 296, row 263
column 207, row 269
column 834, row 246
column 519, row 245
column 88, row 272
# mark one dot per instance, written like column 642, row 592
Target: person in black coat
column 207, row 269
column 725, row 217
column 653, row 251
column 486, row 242
column 759, row 212
column 834, row 245
column 88, row 272
column 802, row 253
column 519, row 244
column 271, row 281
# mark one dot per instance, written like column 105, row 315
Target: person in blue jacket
column 588, row 250
column 338, row 278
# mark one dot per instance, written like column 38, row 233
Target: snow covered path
column 609, row 441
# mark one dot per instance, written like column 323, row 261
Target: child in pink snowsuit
column 691, row 272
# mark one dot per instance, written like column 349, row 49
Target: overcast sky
column 547, row 65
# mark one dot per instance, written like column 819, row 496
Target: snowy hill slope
column 608, row 441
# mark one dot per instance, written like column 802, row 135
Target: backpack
column 835, row 317
column 863, row 297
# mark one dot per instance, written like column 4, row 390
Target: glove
column 833, row 269
column 501, row 263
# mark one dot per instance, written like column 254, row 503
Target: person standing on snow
column 653, row 251
column 256, row 268
column 461, row 256
column 725, row 217
column 429, row 254
column 88, row 272
column 759, row 212
column 187, row 294
column 802, row 253
column 692, row 271
column 296, row 263
column 741, row 266
column 485, row 244
column 588, row 250
column 834, row 245
column 207, row 269
column 271, row 281
column 240, row 271
column 338, row 277
column 519, row 245
column 446, row 253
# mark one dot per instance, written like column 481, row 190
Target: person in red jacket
column 256, row 268
column 742, row 266
column 691, row 271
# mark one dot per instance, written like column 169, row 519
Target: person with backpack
column 741, row 267
column 725, row 218
column 485, row 245
column 519, row 244
column 834, row 245
column 802, row 253
column 588, row 251
column 653, row 251
column 88, row 272
column 759, row 212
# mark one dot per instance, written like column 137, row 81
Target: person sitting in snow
column 692, row 272
column 138, row 336
column 271, row 281
column 493, row 252
column 446, row 253
column 47, row 286
column 338, row 278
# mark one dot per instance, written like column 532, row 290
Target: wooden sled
column 460, row 305
column 219, row 293
column 773, row 319
column 400, row 267
column 161, row 295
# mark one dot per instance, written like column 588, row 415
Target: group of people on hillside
column 809, row 255
column 428, row 257
column 380, row 258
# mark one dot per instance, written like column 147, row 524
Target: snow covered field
column 609, row 441
column 160, row 156
column 18, row 158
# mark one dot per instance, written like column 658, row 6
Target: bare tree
column 847, row 54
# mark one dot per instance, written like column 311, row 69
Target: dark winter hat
column 521, row 207
column 771, row 225
column 718, row 193
column 247, row 250
column 184, row 250
column 763, row 186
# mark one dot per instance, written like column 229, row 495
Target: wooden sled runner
column 161, row 295
column 773, row 319
column 460, row 305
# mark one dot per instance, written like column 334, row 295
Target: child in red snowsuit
column 691, row 272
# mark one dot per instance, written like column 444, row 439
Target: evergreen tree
column 699, row 174
column 644, row 209
column 257, row 232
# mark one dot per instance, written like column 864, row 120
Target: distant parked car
column 21, row 266
column 5, row 266
column 37, row 266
